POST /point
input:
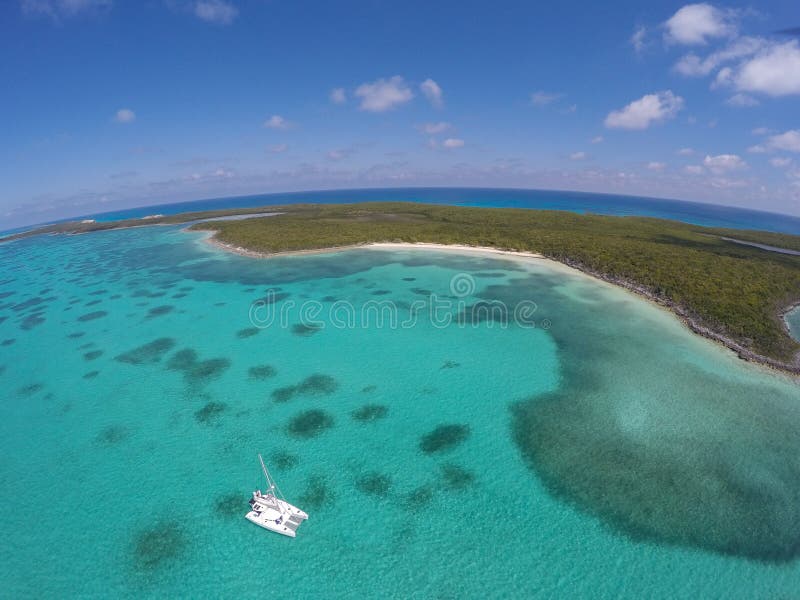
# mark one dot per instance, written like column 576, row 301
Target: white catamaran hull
column 272, row 512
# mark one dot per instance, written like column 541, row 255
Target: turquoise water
column 792, row 319
column 592, row 449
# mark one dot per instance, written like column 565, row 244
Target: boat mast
column 270, row 482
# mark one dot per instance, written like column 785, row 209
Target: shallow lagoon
column 604, row 452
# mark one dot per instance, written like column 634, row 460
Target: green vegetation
column 737, row 292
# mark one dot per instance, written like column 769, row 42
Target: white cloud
column 656, row 166
column 570, row 109
column 742, row 101
column 685, row 151
column 637, row 39
column 383, row 94
column 789, row 141
column 722, row 163
column 761, row 131
column 645, row 111
column 780, row 162
column 432, row 92
column 541, row 98
column 125, row 115
column 338, row 154
column 695, row 24
column 577, row 156
column 278, row 148
column 453, row 143
column 277, row 122
column 434, row 128
column 694, row 169
column 56, row 9
column 757, row 149
column 338, row 96
column 774, row 71
column 215, row 11
column 597, row 139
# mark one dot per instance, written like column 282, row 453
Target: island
column 732, row 292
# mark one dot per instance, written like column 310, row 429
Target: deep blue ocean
column 690, row 212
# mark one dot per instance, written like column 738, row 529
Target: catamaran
column 270, row 510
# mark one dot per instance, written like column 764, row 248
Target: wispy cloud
column 125, row 115
column 434, row 128
column 598, row 139
column 338, row 96
column 218, row 12
column 278, row 148
column 383, row 94
column 452, row 143
column 577, row 156
column 542, row 98
column 638, row 39
column 431, row 90
column 57, row 9
column 723, row 163
column 649, row 109
column 277, row 122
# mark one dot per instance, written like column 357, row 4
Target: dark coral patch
column 182, row 360
column 449, row 364
column 31, row 321
column 317, row 493
column 272, row 297
column 330, row 299
column 230, row 505
column 444, row 438
column 370, row 413
column 313, row 385
column 210, row 412
column 98, row 293
column 76, row 334
column 149, row 353
column 91, row 374
column 178, row 296
column 456, row 478
column 6, row 294
column 284, row 460
column 94, row 354
column 309, row 423
column 305, row 330
column 247, row 332
column 409, row 278
column 418, row 497
column 369, row 389
column 159, row 545
column 92, row 315
column 93, row 303
column 113, row 434
column 30, row 389
column 421, row 291
column 261, row 372
column 207, row 370
column 284, row 394
column 158, row 311
column 381, row 292
column 374, row 484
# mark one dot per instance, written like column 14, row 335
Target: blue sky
column 114, row 103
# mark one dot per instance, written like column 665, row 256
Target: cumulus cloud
column 577, row 156
column 434, row 128
column 542, row 98
column 56, row 9
column 453, row 143
column 742, row 101
column 338, row 96
column 125, row 115
column 774, row 71
column 723, row 163
column 691, row 65
column 789, row 141
column 277, row 122
column 432, row 92
column 383, row 94
column 649, row 109
column 695, row 24
column 218, row 12
column 656, row 166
